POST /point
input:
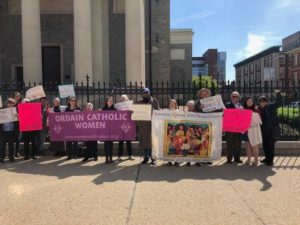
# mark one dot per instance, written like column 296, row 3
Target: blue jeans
column 148, row 154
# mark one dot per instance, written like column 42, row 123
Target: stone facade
column 58, row 29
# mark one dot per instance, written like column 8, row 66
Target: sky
column 242, row 28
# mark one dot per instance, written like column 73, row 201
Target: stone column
column 82, row 40
column 100, row 40
column 135, row 40
column 31, row 41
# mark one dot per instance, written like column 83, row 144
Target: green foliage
column 206, row 81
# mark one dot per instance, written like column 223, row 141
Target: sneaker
column 84, row 160
column 229, row 161
column 34, row 157
column 169, row 164
column 96, row 159
column 269, row 164
column 264, row 160
column 198, row 164
column 188, row 164
column 238, row 161
column 153, row 162
column 145, row 161
column 177, row 164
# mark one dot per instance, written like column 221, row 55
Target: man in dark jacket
column 233, row 140
column 269, row 126
column 145, row 139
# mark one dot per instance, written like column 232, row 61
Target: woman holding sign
column 108, row 145
column 253, row 136
column 72, row 146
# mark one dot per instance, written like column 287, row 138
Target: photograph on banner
column 187, row 139
column 141, row 112
column 35, row 93
column 123, row 105
column 8, row 115
column 186, row 136
column 237, row 120
column 30, row 116
column 212, row 103
column 66, row 90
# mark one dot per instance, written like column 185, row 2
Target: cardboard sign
column 8, row 115
column 123, row 105
column 141, row 112
column 91, row 126
column 237, row 120
column 35, row 93
column 212, row 103
column 66, row 91
column 30, row 116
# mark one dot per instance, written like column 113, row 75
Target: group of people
column 261, row 130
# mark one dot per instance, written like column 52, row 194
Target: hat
column 146, row 90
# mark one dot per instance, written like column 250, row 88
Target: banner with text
column 30, row 116
column 141, row 112
column 8, row 115
column 123, row 105
column 212, row 103
column 237, row 120
column 66, row 90
column 35, row 93
column 92, row 126
column 186, row 136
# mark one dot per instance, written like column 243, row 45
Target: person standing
column 269, row 125
column 17, row 136
column 108, row 145
column 72, row 146
column 91, row 150
column 145, row 140
column 233, row 140
column 253, row 136
column 8, row 132
column 57, row 146
column 124, row 98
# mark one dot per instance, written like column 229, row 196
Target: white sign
column 141, row 112
column 212, row 103
column 186, row 136
column 66, row 91
column 123, row 105
column 8, row 115
column 35, row 93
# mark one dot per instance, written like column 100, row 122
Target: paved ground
column 55, row 191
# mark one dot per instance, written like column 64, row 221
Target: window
column 295, row 61
column 119, row 6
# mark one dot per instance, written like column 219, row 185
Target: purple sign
column 91, row 126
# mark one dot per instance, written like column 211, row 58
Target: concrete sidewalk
column 54, row 191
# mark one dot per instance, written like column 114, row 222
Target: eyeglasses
column 234, row 96
column 73, row 101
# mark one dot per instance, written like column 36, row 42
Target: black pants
column 233, row 146
column 7, row 137
column 29, row 137
column 108, row 149
column 91, row 150
column 58, row 147
column 128, row 148
column 268, row 145
column 72, row 149
column 17, row 141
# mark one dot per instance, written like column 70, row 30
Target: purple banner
column 92, row 126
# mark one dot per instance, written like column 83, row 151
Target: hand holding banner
column 30, row 116
column 237, row 120
column 35, row 93
column 212, row 103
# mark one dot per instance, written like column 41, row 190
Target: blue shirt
column 8, row 126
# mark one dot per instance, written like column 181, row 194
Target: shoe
column 229, row 161
column 69, row 158
column 145, row 161
column 177, row 164
column 238, row 161
column 248, row 162
column 169, row 164
column 153, row 162
column 188, row 164
column 96, row 159
column 208, row 163
column 26, row 158
column 264, row 160
column 269, row 164
column 130, row 158
column 254, row 163
column 84, row 160
column 34, row 157
column 198, row 164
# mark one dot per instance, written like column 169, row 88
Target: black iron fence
column 181, row 91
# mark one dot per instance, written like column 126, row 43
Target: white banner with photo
column 35, row 93
column 123, row 105
column 179, row 136
column 212, row 103
column 8, row 115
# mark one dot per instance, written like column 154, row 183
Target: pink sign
column 30, row 116
column 236, row 120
